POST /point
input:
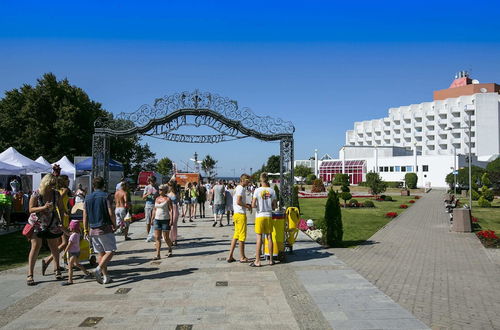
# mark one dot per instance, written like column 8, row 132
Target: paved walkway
column 448, row 280
column 314, row 290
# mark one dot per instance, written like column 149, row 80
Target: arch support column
column 100, row 157
column 286, row 171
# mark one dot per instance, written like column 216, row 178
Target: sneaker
column 221, row 225
column 215, row 223
column 108, row 280
column 98, row 275
column 87, row 276
column 127, row 238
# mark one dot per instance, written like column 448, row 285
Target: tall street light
column 469, row 112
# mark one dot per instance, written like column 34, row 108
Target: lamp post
column 469, row 128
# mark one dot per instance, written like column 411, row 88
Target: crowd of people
column 165, row 204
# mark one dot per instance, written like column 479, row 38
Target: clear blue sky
column 320, row 64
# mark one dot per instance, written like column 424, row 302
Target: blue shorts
column 194, row 200
column 219, row 209
column 163, row 225
column 187, row 201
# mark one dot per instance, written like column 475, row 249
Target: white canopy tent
column 13, row 157
column 67, row 168
column 43, row 161
column 7, row 169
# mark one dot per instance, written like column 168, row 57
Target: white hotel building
column 430, row 138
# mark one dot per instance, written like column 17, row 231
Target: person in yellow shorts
column 264, row 200
column 240, row 218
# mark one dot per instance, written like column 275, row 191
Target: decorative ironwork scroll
column 223, row 115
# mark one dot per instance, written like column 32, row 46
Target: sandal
column 231, row 260
column 272, row 263
column 58, row 275
column 30, row 281
column 169, row 254
column 243, row 261
column 66, row 283
column 253, row 264
column 44, row 266
column 156, row 258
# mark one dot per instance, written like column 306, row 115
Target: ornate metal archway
column 170, row 113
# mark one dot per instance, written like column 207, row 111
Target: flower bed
column 403, row 206
column 489, row 239
column 411, row 201
column 391, row 215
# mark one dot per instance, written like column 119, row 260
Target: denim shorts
column 163, row 225
column 187, row 201
column 219, row 209
column 194, row 200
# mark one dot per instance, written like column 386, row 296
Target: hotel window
column 425, row 168
column 409, row 168
column 397, row 168
column 403, row 168
column 391, row 169
column 380, row 169
column 386, row 169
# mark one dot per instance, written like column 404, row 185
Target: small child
column 73, row 248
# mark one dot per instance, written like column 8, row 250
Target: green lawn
column 359, row 223
column 14, row 249
column 489, row 218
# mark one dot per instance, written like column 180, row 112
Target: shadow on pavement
column 122, row 277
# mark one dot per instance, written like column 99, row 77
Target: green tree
column 463, row 176
column 52, row 118
column 485, row 180
column 345, row 195
column 273, row 164
column 333, row 231
column 208, row 166
column 493, row 166
column 375, row 183
column 411, row 180
column 483, row 202
column 302, row 171
column 487, row 193
column 341, row 179
column 165, row 166
column 310, row 178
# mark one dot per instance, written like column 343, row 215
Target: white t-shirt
column 265, row 197
column 239, row 191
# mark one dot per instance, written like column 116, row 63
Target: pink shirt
column 74, row 243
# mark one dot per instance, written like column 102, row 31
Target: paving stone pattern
column 446, row 279
column 313, row 290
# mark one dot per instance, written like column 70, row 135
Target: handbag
column 29, row 228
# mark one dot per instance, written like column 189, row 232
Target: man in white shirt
column 264, row 200
column 240, row 205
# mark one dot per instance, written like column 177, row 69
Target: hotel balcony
column 442, row 142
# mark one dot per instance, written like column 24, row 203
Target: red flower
column 391, row 215
column 417, row 197
column 488, row 234
column 475, row 220
column 403, row 206
column 411, row 201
